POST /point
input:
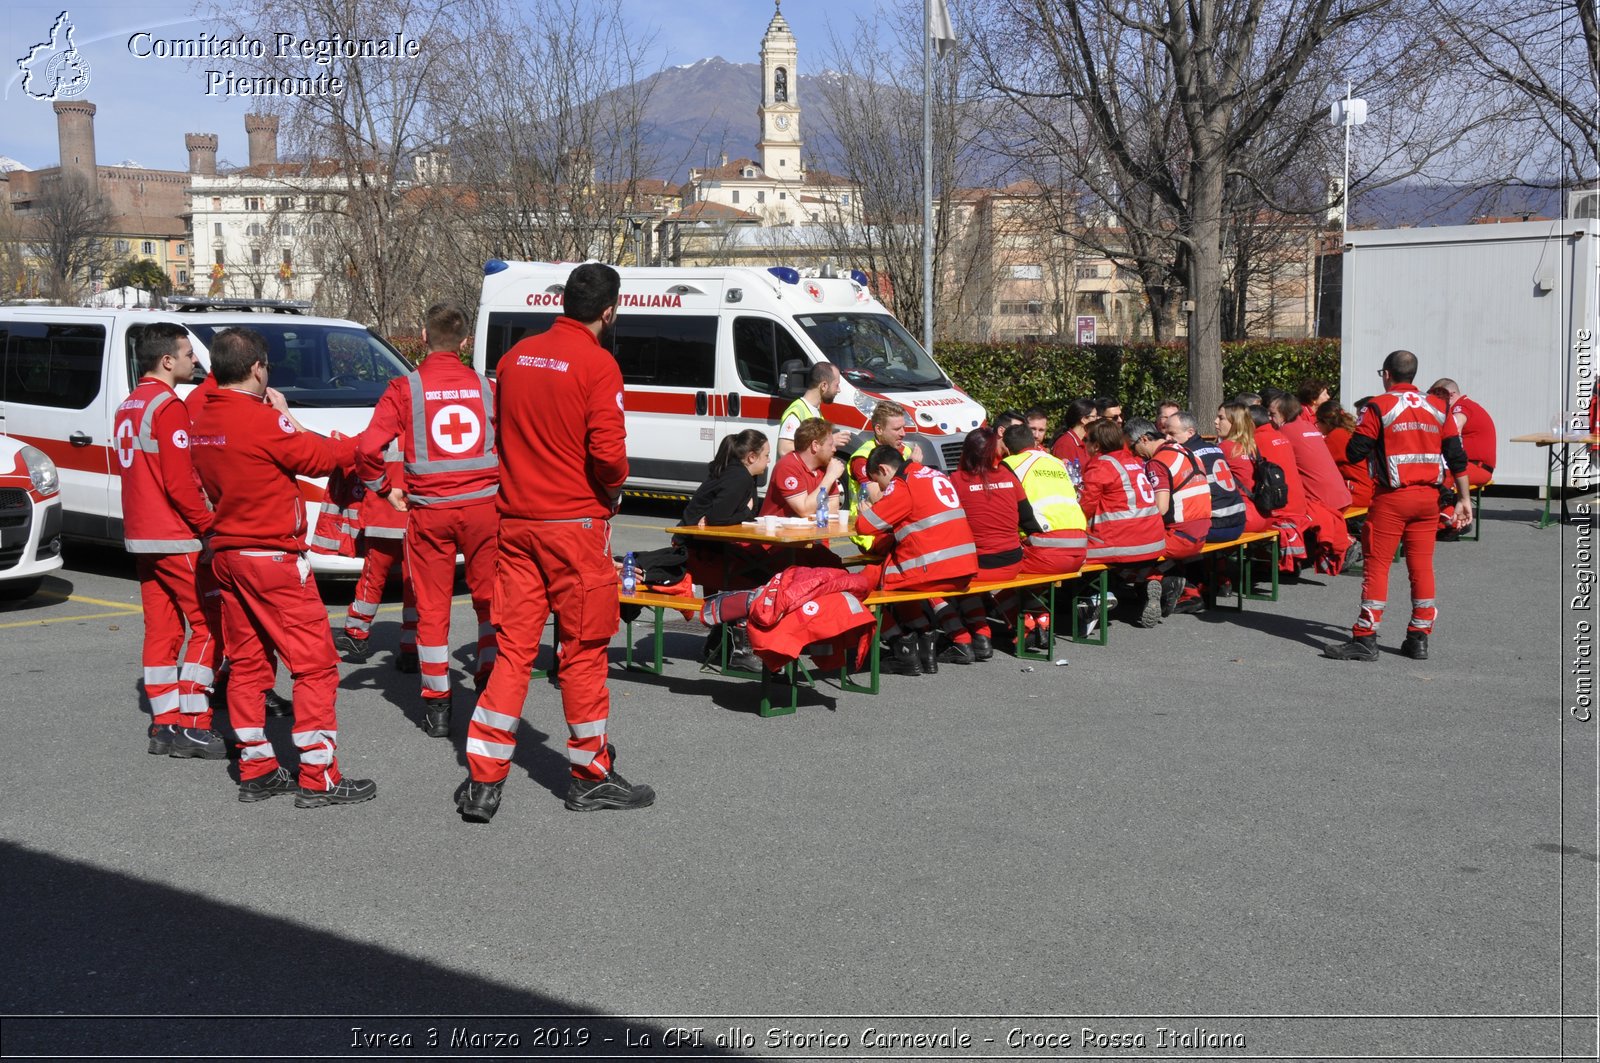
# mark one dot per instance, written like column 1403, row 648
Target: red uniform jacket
column 1319, row 473
column 792, row 476
column 1477, row 432
column 248, row 456
column 811, row 611
column 1410, row 429
column 995, row 505
column 163, row 509
column 920, row 525
column 563, row 440
column 441, row 415
column 1357, row 477
column 1069, row 448
column 1120, row 504
column 1181, row 473
column 1278, row 450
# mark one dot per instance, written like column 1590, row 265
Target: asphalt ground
column 1204, row 828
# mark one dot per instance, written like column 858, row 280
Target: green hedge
column 413, row 350
column 1016, row 376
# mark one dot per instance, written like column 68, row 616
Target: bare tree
column 69, row 228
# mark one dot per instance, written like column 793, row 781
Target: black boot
column 405, row 662
column 1361, row 648
column 928, row 652
column 982, row 647
column 903, row 661
column 959, row 653
column 1415, row 646
column 436, row 717
column 740, row 655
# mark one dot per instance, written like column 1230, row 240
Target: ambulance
column 64, row 370
column 709, row 351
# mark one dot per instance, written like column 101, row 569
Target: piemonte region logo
column 55, row 69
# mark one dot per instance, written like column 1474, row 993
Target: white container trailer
column 1508, row 311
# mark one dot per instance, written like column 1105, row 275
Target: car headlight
column 865, row 403
column 42, row 471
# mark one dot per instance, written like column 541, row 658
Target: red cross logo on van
column 814, row 290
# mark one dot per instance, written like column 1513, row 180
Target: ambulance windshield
column 320, row 366
column 874, row 350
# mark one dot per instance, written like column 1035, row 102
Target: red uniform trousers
column 1411, row 514
column 270, row 603
column 564, row 567
column 1477, row 475
column 1047, row 560
column 382, row 554
column 433, row 538
column 172, row 588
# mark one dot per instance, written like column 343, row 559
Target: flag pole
column 927, row 175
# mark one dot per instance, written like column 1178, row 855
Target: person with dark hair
column 1292, row 519
column 1069, row 445
column 994, row 503
column 1336, row 426
column 1006, row 418
column 822, row 387
column 1327, row 497
column 1410, row 439
column 1108, row 409
column 1053, row 526
column 439, row 416
column 1039, row 421
column 1247, row 399
column 1311, row 394
column 729, row 497
column 888, row 429
column 924, row 543
column 164, row 517
column 1119, row 504
column 563, row 449
column 1165, row 409
column 1228, row 505
column 249, row 456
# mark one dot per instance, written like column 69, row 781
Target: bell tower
column 779, row 113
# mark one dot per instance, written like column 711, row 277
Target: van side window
column 505, row 330
column 134, row 335
column 658, row 350
column 760, row 347
column 53, row 365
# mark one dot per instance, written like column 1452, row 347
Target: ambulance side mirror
column 792, row 378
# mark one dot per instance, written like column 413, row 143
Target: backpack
column 1272, row 490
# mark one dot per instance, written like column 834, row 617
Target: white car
column 30, row 518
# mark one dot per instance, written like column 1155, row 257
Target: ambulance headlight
column 865, row 403
column 42, row 471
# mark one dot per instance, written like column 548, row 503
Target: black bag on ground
column 1272, row 490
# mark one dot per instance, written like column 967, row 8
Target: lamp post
column 1348, row 112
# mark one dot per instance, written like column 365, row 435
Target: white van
column 713, row 350
column 64, row 371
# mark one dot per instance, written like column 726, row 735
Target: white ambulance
column 64, row 370
column 713, row 350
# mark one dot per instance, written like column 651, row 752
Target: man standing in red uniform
column 366, row 524
column 248, row 456
column 563, row 446
column 164, row 515
column 440, row 415
column 1408, row 438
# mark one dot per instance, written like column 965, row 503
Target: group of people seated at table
column 1143, row 496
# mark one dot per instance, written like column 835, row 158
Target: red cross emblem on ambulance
column 814, row 290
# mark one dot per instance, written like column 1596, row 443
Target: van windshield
column 874, row 350
column 330, row 367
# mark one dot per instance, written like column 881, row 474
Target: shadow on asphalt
column 178, row 974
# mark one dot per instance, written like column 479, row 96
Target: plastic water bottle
column 630, row 582
column 822, row 510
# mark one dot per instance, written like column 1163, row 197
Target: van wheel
column 17, row 590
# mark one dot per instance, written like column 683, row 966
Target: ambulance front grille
column 15, row 507
column 951, row 453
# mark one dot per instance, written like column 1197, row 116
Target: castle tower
column 75, row 135
column 779, row 113
column 263, row 132
column 202, row 153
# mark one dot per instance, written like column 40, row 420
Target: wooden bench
column 659, row 603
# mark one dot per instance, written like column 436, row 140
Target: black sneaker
column 479, row 801
column 1171, row 591
column 351, row 648
column 1415, row 646
column 197, row 742
column 592, row 795
column 1363, row 648
column 265, row 786
column 436, row 717
column 960, row 653
column 406, row 661
column 1150, row 614
column 278, row 705
column 344, row 792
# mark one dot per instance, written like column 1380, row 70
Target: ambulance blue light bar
column 786, row 274
column 493, row 266
column 860, row 278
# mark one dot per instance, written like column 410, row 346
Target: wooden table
column 1565, row 442
column 781, row 536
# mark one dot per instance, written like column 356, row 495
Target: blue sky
column 145, row 106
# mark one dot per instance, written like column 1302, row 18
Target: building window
column 844, row 200
column 183, row 249
column 183, row 276
column 313, row 202
column 736, row 195
column 252, row 202
column 288, row 258
column 255, row 256
column 122, row 246
column 1087, row 273
column 216, row 202
column 285, row 202
column 147, row 247
column 761, row 196
column 1027, row 273
column 783, row 195
column 216, row 230
column 285, row 229
column 216, row 255
column 253, row 229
